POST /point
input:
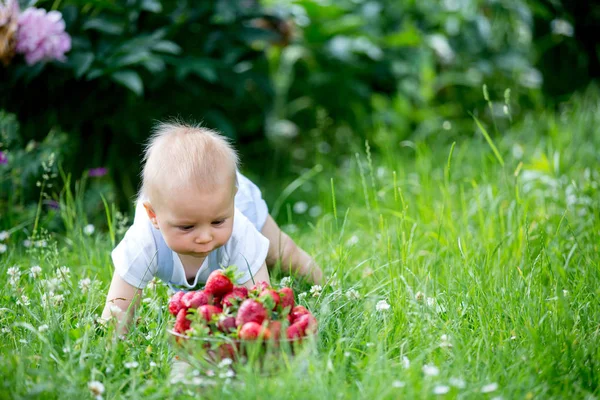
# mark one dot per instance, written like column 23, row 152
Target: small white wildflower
column 89, row 229
column 347, row 354
column 352, row 241
column 147, row 300
column 84, row 284
column 152, row 284
column 405, row 362
column 23, row 341
column 430, row 301
column 210, row 373
column 513, row 337
column 382, row 305
column 441, row 389
column 370, row 344
column 27, row 243
column 110, row 368
column 315, row 290
column 398, row 384
column 445, row 341
column 96, row 388
column 490, row 387
column 561, row 27
column 286, row 281
column 43, row 328
column 58, row 299
column 431, row 370
column 457, row 383
column 565, row 292
column 5, row 330
column 447, row 125
column 14, row 272
column 40, row 243
column 315, row 211
column 66, row 350
column 352, row 294
column 35, row 271
column 419, row 296
column 63, row 272
column 3, row 236
column 115, row 310
column 3, row 248
column 24, row 300
column 227, row 374
column 131, row 364
column 225, row 362
column 505, row 110
column 153, row 364
column 302, row 296
column 300, row 207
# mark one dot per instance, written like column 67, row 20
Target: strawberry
column 251, row 311
column 226, row 324
column 294, row 332
column 287, row 298
column 252, row 331
column 227, row 350
column 207, row 311
column 234, row 297
column 175, row 303
column 258, row 287
column 307, row 324
column 297, row 312
column 273, row 294
column 219, row 282
column 275, row 328
column 182, row 324
column 194, row 299
column 242, row 290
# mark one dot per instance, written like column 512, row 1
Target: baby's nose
column 203, row 237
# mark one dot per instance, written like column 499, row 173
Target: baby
column 197, row 213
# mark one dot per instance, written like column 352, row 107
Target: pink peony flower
column 41, row 36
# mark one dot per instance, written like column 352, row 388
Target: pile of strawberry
column 225, row 310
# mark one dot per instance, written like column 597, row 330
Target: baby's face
column 195, row 222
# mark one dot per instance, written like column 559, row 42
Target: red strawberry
column 230, row 298
column 194, row 299
column 182, row 324
column 219, row 282
column 307, row 324
column 175, row 303
column 226, row 350
column 275, row 328
column 297, row 312
column 207, row 311
column 251, row 311
column 287, row 298
column 242, row 290
column 258, row 287
column 252, row 331
column 294, row 332
column 274, row 295
column 227, row 324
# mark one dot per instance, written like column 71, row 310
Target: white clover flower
column 447, row 125
column 286, row 281
column 3, row 248
column 225, row 362
column 96, row 388
column 227, row 374
column 89, row 229
column 457, row 383
column 24, row 300
column 3, row 236
column 43, row 328
column 382, row 305
column 565, row 292
column 419, row 296
column 352, row 294
column 431, row 370
column 210, row 373
column 35, row 271
column 63, row 272
column 490, row 387
column 152, row 284
column 84, row 284
column 430, row 301
column 27, row 243
column 14, row 272
column 153, row 364
column 131, row 364
column 58, row 299
column 52, row 284
column 352, row 241
column 315, row 290
column 441, row 389
column 445, row 341
column 302, row 296
column 398, row 384
column 315, row 211
column 66, row 350
column 41, row 243
column 561, row 27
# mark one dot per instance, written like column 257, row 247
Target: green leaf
column 166, row 46
column 130, row 79
column 81, row 62
column 103, row 24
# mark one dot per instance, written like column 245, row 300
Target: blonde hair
column 179, row 155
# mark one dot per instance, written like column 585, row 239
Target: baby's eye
column 218, row 222
column 186, row 227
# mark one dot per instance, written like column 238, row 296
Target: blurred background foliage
column 290, row 80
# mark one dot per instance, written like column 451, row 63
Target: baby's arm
column 293, row 258
column 121, row 302
column 261, row 275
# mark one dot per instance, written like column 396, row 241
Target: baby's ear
column 151, row 214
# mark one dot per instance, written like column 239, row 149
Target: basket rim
column 232, row 340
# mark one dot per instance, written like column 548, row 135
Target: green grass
column 501, row 259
